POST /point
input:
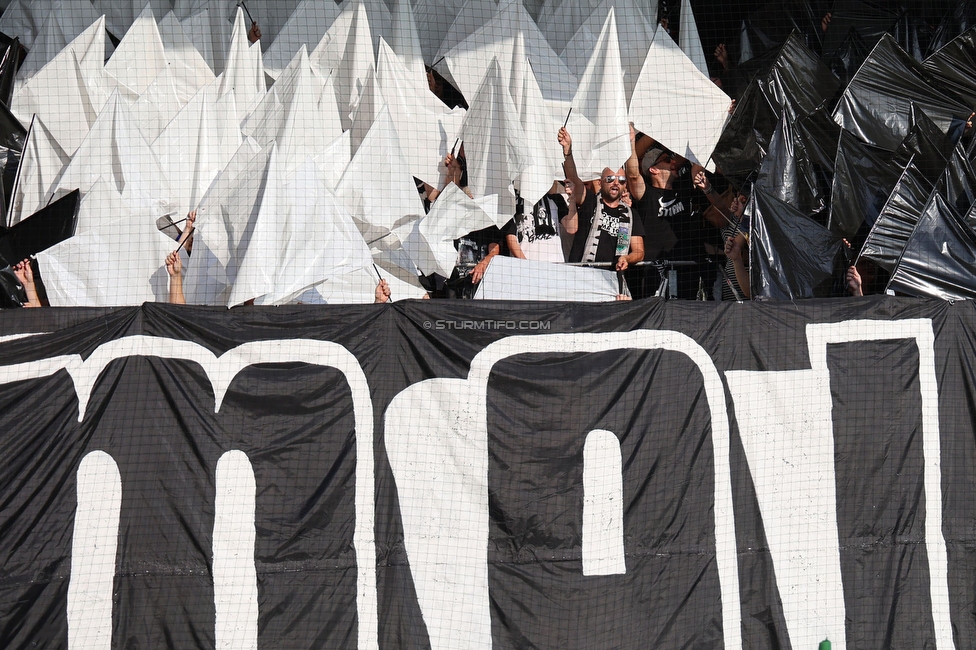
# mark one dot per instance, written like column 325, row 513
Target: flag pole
column 244, row 7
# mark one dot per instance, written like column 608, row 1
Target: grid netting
column 317, row 153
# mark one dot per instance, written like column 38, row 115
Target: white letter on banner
column 603, row 505
column 437, row 442
column 819, row 336
column 235, row 578
column 221, row 372
column 93, row 548
column 785, row 428
column 786, row 425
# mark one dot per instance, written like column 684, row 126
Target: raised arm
column 635, row 182
column 570, row 222
column 569, row 165
column 701, row 181
column 453, row 176
column 174, row 266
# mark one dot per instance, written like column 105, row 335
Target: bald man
column 606, row 229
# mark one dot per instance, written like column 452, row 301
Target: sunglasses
column 619, row 179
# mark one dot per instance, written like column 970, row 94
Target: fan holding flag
column 605, row 229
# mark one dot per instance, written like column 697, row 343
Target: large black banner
column 490, row 475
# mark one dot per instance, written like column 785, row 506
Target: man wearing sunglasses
column 606, row 228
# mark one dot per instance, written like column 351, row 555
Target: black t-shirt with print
column 541, row 223
column 609, row 225
column 691, row 232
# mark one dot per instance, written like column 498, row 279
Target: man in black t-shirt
column 667, row 213
column 605, row 228
column 599, row 242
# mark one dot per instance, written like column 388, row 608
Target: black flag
column 798, row 169
column 939, row 260
column 13, row 56
column 953, row 67
column 43, row 229
column 958, row 183
column 895, row 223
column 795, row 82
column 863, row 178
column 877, row 104
column 791, row 254
column 930, row 146
column 867, row 21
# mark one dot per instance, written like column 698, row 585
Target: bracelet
column 567, row 155
column 710, row 190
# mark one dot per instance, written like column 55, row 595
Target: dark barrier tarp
column 877, row 104
column 894, row 225
column 939, row 259
column 652, row 591
column 465, row 443
column 790, row 254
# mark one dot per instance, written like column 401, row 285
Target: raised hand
column 566, row 141
column 382, row 293
column 854, row 282
column 174, row 265
column 254, row 34
column 25, row 274
column 701, row 182
column 722, row 55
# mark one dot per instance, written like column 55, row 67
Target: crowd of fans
column 665, row 225
column 658, row 202
column 659, row 207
